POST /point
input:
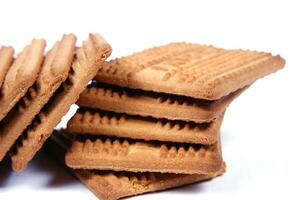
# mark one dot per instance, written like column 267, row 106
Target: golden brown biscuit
column 21, row 75
column 6, row 58
column 94, row 51
column 202, row 72
column 54, row 71
column 97, row 122
column 157, row 105
column 104, row 153
column 113, row 185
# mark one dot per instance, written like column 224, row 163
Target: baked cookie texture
column 112, row 185
column 6, row 58
column 86, row 64
column 158, row 111
column 202, row 72
column 37, row 90
column 21, row 75
column 145, row 103
column 54, row 71
column 97, row 122
column 138, row 156
column 146, row 122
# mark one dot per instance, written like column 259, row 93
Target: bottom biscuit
column 115, row 185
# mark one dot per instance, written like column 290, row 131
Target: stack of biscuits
column 146, row 122
column 37, row 90
column 151, row 121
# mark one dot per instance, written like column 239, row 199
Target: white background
column 260, row 134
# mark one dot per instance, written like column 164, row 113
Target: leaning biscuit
column 6, row 58
column 97, row 122
column 111, row 185
column 202, row 72
column 54, row 71
column 21, row 75
column 104, row 153
column 94, row 51
column 157, row 105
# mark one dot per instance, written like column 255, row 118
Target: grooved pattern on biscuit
column 87, row 121
column 87, row 62
column 21, row 75
column 202, row 72
column 54, row 71
column 122, row 184
column 158, row 105
column 115, row 185
column 6, row 58
column 105, row 153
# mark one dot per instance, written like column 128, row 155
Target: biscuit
column 88, row 121
column 202, row 72
column 6, row 58
column 94, row 51
column 113, row 185
column 21, row 75
column 54, row 71
column 157, row 105
column 104, row 153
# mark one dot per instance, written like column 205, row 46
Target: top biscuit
column 198, row 71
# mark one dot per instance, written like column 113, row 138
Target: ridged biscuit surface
column 54, row 71
column 115, row 185
column 112, row 185
column 158, row 105
column 202, row 72
column 21, row 75
column 96, row 122
column 84, row 67
column 6, row 58
column 104, row 153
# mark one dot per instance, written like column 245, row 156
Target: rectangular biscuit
column 157, row 105
column 202, row 72
column 97, row 122
column 54, row 71
column 105, row 153
column 88, row 59
column 115, row 185
column 21, row 75
column 111, row 185
column 6, row 58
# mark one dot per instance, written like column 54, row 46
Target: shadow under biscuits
column 59, row 175
column 5, row 171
